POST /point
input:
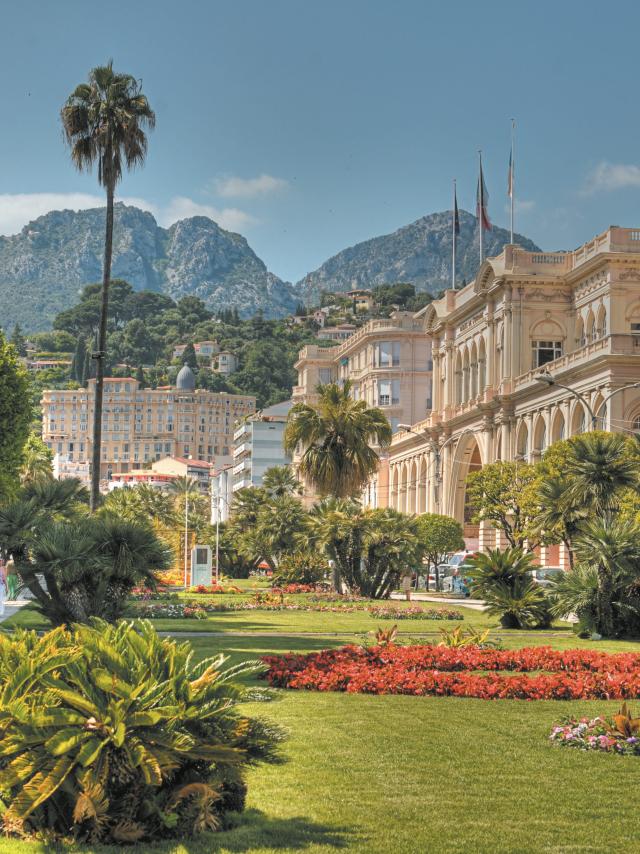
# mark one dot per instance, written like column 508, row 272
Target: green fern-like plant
column 120, row 736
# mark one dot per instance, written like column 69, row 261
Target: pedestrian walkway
column 11, row 608
column 473, row 604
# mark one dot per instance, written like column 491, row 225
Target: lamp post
column 186, row 535
column 218, row 499
column 547, row 379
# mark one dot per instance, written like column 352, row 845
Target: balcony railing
column 610, row 345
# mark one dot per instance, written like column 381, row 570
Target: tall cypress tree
column 86, row 368
column 18, row 340
column 79, row 357
column 189, row 357
column 140, row 377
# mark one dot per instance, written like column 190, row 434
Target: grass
column 414, row 774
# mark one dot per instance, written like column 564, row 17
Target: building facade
column 573, row 316
column 258, row 445
column 143, row 425
column 221, row 494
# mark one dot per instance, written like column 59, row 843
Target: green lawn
column 412, row 774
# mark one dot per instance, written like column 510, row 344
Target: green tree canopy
column 438, row 536
column 505, row 494
column 15, row 417
column 337, row 435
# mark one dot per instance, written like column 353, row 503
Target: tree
column 278, row 530
column 336, row 435
column 140, row 377
column 79, row 356
column 278, row 481
column 370, row 549
column 505, row 494
column 37, row 459
column 89, row 563
column 438, row 536
column 18, row 340
column 559, row 518
column 104, row 122
column 613, row 551
column 87, row 369
column 15, row 417
column 189, row 357
column 599, row 469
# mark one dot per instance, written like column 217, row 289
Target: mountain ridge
column 419, row 253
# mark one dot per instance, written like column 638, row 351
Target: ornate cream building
column 573, row 316
column 142, row 425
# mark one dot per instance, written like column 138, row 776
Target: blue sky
column 309, row 126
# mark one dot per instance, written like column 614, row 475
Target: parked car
column 546, row 576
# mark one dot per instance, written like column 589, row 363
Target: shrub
column 308, row 568
column 619, row 734
column 503, row 580
column 113, row 734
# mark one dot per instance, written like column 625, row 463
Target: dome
column 186, row 380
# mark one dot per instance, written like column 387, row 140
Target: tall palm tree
column 104, row 122
column 337, row 435
column 280, row 481
column 600, row 468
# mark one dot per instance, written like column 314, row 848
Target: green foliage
column 371, row 550
column 112, row 734
column 337, row 435
column 505, row 494
column 189, row 357
column 18, row 340
column 503, row 580
column 15, row 417
column 302, row 567
column 278, row 481
column 37, row 459
column 88, row 563
column 439, row 536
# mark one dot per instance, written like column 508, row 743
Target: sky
column 309, row 126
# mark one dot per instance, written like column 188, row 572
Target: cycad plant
column 503, row 580
column 599, row 468
column 113, row 734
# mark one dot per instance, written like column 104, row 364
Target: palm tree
column 600, row 468
column 336, row 435
column 104, row 122
column 503, row 579
column 279, row 481
column 614, row 551
column 558, row 514
column 36, row 459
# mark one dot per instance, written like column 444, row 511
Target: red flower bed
column 569, row 675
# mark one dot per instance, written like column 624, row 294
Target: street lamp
column 547, row 379
column 218, row 498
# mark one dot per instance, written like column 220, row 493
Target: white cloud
column 181, row 207
column 246, row 188
column 612, row 176
column 17, row 209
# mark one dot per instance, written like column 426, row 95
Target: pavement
column 474, row 604
column 11, row 608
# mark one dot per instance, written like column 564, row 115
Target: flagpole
column 480, row 208
column 455, row 237
column 513, row 170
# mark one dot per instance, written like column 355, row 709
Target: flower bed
column 265, row 602
column 617, row 734
column 208, row 589
column 444, row 671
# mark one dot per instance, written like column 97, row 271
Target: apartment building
column 258, row 445
column 572, row 316
column 207, row 349
column 143, row 425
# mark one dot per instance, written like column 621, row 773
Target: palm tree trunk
column 101, row 353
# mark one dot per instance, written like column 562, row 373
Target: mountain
column 419, row 253
column 43, row 268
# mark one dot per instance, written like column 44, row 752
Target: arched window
column 591, row 327
column 557, row 431
column 465, row 376
column 482, row 367
column 522, row 447
column 579, row 332
column 474, row 372
column 636, row 423
column 458, row 379
column 547, row 338
column 602, row 321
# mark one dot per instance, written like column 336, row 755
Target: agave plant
column 456, row 638
column 114, row 734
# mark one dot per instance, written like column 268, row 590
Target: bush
column 503, row 580
column 301, row 568
column 112, row 734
